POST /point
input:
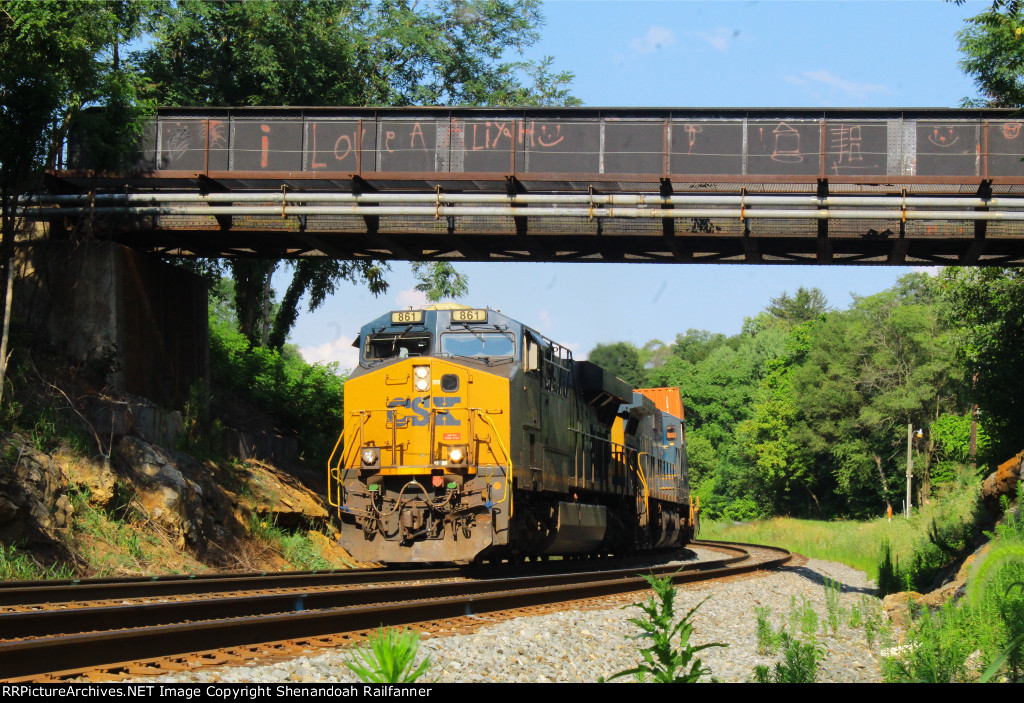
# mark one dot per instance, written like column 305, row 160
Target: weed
column 800, row 654
column 832, row 593
column 800, row 659
column 803, row 617
column 766, row 639
column 15, row 566
column 110, row 528
column 854, row 617
column 664, row 662
column 871, row 612
column 997, row 588
column 390, row 658
column 935, row 649
column 296, row 547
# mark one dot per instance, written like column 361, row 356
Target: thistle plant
column 664, row 660
column 390, row 658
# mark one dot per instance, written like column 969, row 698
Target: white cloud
column 545, row 320
column 857, row 91
column 654, row 40
column 720, row 39
column 340, row 350
column 411, row 298
column 575, row 348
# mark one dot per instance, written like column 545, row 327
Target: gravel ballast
column 583, row 645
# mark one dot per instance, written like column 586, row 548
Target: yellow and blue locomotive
column 469, row 435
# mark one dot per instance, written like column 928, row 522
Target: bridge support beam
column 977, row 247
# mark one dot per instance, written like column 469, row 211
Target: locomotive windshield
column 397, row 346
column 478, row 344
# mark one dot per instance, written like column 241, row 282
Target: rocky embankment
column 204, row 510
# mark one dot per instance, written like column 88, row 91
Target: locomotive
column 471, row 436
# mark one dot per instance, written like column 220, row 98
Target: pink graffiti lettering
column 523, row 131
column 215, row 137
column 692, row 130
column 475, row 145
column 1011, row 130
column 944, row 137
column 787, row 144
column 417, row 131
column 551, row 139
column 388, row 136
column 503, row 131
column 343, row 147
column 313, row 162
column 264, row 146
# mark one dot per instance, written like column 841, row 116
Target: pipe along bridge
column 659, row 185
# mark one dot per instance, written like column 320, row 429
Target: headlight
column 371, row 456
column 458, row 455
column 422, row 378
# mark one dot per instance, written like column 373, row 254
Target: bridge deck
column 758, row 186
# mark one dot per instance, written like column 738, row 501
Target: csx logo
column 421, row 413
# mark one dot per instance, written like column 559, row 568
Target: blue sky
column 674, row 53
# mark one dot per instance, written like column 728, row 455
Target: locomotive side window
column 478, row 344
column 396, row 346
column 532, row 347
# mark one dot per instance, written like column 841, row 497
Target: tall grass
column 982, row 637
column 860, row 543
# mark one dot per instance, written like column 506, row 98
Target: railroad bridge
column 768, row 186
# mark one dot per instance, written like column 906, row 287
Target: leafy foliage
column 304, row 398
column 621, row 359
column 985, row 308
column 440, row 280
column 664, row 660
column 344, row 52
column 994, row 55
column 391, row 658
column 799, row 664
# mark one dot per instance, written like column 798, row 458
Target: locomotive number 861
column 469, row 435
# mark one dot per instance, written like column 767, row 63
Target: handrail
column 643, row 481
column 508, row 479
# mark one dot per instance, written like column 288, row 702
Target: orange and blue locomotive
column 470, row 436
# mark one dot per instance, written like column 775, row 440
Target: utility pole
column 910, row 464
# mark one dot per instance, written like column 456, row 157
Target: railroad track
column 64, row 629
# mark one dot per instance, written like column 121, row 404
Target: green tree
column 621, row 359
column 440, row 280
column 782, row 463
column 885, row 363
column 993, row 47
column 986, row 312
column 344, row 52
column 803, row 306
column 695, row 345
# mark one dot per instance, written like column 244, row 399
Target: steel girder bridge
column 769, row 186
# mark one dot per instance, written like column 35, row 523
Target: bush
column 305, row 399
